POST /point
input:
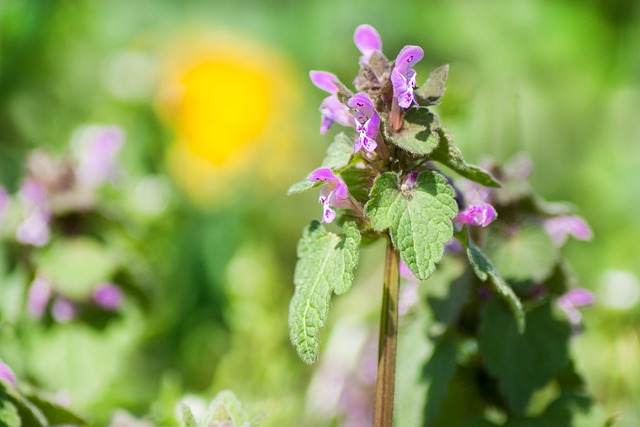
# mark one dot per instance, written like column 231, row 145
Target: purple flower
column 34, row 228
column 573, row 299
column 4, row 202
column 333, row 193
column 478, row 215
column 7, row 374
column 39, row 295
column 331, row 108
column 108, row 296
column 63, row 310
column 367, row 122
column 368, row 41
column 97, row 159
column 403, row 77
column 560, row 227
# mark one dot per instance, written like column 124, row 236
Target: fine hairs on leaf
column 326, row 263
column 418, row 219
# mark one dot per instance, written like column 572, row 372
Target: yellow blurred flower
column 231, row 103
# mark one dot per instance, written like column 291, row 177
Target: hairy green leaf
column 326, row 263
column 418, row 219
column 433, row 89
column 451, row 156
column 186, row 417
column 8, row 413
column 302, row 186
column 338, row 155
column 425, row 368
column 485, row 270
column 339, row 152
column 53, row 412
column 526, row 254
column 522, row 363
column 28, row 413
column 419, row 132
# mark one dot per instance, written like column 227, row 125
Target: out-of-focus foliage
column 219, row 121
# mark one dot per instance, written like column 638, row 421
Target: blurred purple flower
column 560, row 227
column 333, row 193
column 63, row 310
column 7, row 374
column 573, row 299
column 108, row 296
column 34, row 228
column 477, row 215
column 4, row 202
column 453, row 246
column 368, row 41
column 97, row 160
column 403, row 76
column 367, row 122
column 39, row 295
column 331, row 108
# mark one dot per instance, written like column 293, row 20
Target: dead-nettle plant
column 386, row 181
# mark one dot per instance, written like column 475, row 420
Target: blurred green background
column 221, row 118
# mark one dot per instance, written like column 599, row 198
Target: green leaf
column 302, row 186
column 339, row 152
column 451, row 156
column 186, row 417
column 419, row 219
column 326, row 263
column 28, row 413
column 527, row 254
column 76, row 265
column 9, row 416
column 338, row 156
column 447, row 310
column 425, row 368
column 53, row 412
column 419, row 132
column 226, row 407
column 523, row 362
column 485, row 270
column 433, row 89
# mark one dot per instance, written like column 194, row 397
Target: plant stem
column 385, row 383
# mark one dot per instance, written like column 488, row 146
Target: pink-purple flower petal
column 7, row 374
column 367, row 40
column 333, row 193
column 108, row 296
column 324, row 80
column 477, row 215
column 403, row 76
column 561, row 227
column 38, row 297
column 367, row 122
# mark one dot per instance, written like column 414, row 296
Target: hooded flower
column 573, row 299
column 34, row 228
column 331, row 108
column 7, row 374
column 403, row 76
column 39, row 295
column 560, row 227
column 478, row 215
column 108, row 296
column 97, row 158
column 333, row 193
column 368, row 41
column 367, row 122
